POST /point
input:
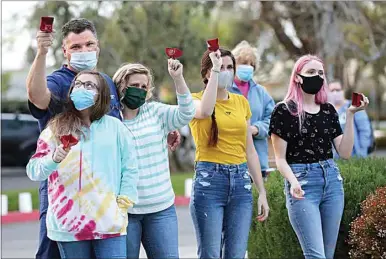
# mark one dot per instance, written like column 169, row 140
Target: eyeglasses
column 87, row 85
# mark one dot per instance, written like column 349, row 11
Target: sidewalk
column 20, row 240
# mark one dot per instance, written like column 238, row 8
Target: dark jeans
column 47, row 249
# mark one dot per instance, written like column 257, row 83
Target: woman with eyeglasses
column 92, row 183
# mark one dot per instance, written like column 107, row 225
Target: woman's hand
column 60, row 154
column 175, row 68
column 353, row 109
column 296, row 190
column 216, row 59
column 262, row 207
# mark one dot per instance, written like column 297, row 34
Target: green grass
column 13, row 199
column 178, row 182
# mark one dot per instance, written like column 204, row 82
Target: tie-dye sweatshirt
column 84, row 187
column 150, row 129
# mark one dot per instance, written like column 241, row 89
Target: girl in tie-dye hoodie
column 91, row 184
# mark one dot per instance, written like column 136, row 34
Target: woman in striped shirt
column 153, row 218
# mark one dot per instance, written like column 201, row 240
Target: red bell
column 173, row 52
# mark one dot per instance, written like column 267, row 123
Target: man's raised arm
column 36, row 82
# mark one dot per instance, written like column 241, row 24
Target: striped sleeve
column 177, row 116
column 41, row 165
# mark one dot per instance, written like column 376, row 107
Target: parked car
column 19, row 135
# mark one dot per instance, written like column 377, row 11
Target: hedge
column 275, row 238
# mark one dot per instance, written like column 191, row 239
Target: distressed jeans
column 221, row 209
column 316, row 219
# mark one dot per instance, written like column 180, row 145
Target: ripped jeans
column 221, row 209
column 316, row 219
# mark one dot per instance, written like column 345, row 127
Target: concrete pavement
column 21, row 240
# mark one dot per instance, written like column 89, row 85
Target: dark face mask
column 312, row 84
column 134, row 97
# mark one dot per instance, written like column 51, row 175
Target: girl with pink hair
column 303, row 128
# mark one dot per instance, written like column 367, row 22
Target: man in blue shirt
column 46, row 95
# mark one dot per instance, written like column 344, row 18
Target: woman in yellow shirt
column 221, row 203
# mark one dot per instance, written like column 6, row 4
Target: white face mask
column 225, row 79
column 336, row 97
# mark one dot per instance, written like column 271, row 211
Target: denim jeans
column 47, row 249
column 157, row 231
column 114, row 247
column 316, row 219
column 221, row 209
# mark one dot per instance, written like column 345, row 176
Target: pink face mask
column 336, row 97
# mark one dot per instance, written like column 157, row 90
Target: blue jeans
column 47, row 249
column 221, row 209
column 316, row 219
column 114, row 247
column 157, row 231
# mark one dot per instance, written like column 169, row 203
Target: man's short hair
column 77, row 26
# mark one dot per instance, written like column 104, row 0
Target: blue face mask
column 244, row 72
column 82, row 98
column 84, row 60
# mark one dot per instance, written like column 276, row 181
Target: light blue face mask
column 244, row 72
column 84, row 60
column 225, row 79
column 82, row 98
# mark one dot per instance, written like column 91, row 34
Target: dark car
column 19, row 135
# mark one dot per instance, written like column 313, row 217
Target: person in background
column 362, row 127
column 153, row 219
column 304, row 127
column 221, row 204
column 47, row 95
column 89, row 195
column 260, row 101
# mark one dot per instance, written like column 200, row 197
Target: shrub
column 275, row 238
column 367, row 236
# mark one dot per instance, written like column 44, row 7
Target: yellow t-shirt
column 231, row 117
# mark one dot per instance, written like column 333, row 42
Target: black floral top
column 314, row 142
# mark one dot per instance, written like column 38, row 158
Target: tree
column 62, row 11
column 5, row 82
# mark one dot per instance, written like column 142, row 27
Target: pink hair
column 295, row 93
